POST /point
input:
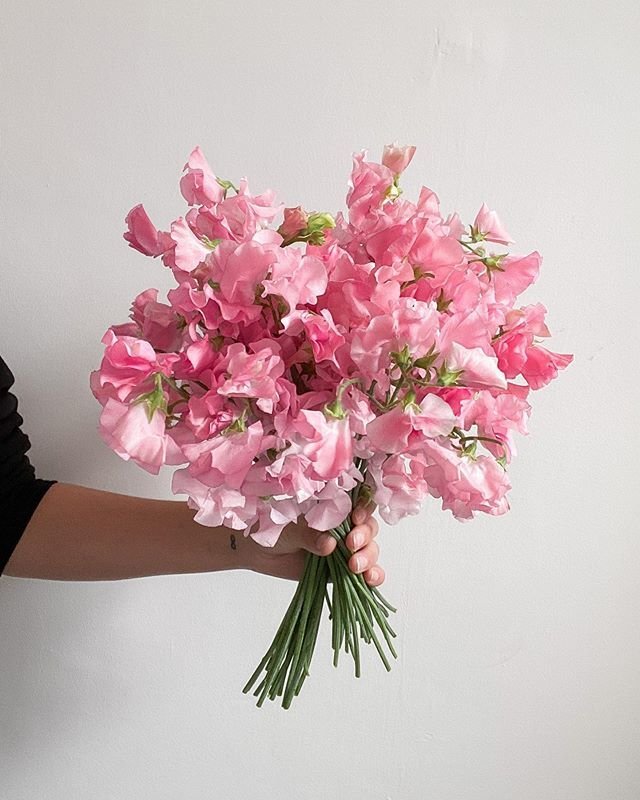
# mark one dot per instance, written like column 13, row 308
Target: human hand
column 286, row 558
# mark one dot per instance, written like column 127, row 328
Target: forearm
column 77, row 533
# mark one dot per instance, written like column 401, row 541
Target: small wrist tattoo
column 232, row 540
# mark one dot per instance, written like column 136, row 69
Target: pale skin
column 82, row 534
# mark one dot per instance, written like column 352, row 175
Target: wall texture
column 519, row 653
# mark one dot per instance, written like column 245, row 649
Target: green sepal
column 447, row 377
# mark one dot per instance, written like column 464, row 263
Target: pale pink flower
column 253, row 374
column 190, row 251
column 479, row 369
column 215, row 505
column 391, row 432
column 326, row 442
column 367, row 187
column 397, row 158
column 127, row 430
column 400, row 485
column 225, row 459
column 517, row 273
column 329, row 509
column 298, row 278
column 466, row 485
column 487, row 223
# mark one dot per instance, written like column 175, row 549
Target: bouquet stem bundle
column 355, row 610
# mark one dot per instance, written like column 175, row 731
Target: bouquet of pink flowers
column 295, row 368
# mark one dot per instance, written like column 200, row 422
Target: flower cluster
column 382, row 346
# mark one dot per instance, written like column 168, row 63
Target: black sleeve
column 20, row 490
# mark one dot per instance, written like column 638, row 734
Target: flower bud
column 295, row 221
column 397, row 158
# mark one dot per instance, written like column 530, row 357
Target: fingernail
column 374, row 574
column 359, row 563
column 357, row 539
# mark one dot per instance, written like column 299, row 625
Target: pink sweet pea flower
column 517, row 274
column 216, row 505
column 330, row 508
column 158, row 322
column 240, row 268
column 397, row 158
column 244, row 214
column 400, row 485
column 128, row 432
column 465, row 484
column 479, row 368
column 143, row 236
column 320, row 330
column 253, row 374
column 190, row 251
column 498, row 416
column 127, row 366
column 391, row 432
column 488, row 224
column 367, row 187
column 298, row 278
column 225, row 459
column 274, row 515
column 326, row 442
column 541, row 366
column 199, row 186
column 519, row 329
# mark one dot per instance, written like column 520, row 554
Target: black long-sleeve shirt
column 20, row 490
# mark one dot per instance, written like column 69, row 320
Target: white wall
column 519, row 647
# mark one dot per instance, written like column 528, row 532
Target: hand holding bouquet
column 296, row 370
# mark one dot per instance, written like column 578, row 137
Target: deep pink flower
column 143, row 236
column 541, row 366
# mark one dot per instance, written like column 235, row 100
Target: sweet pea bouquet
column 296, row 366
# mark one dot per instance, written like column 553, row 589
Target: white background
column 519, row 647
